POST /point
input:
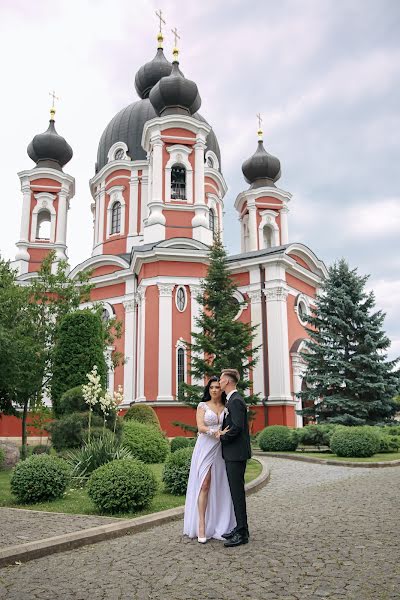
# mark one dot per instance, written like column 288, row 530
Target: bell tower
column 46, row 192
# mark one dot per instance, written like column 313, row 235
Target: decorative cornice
column 279, row 293
column 165, row 290
column 255, row 296
column 140, row 296
column 129, row 306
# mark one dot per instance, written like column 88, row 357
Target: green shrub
column 40, row 478
column 94, row 454
column 176, row 471
column 388, row 443
column 146, row 442
column 72, row 401
column 2, row 457
column 122, row 486
column 143, row 414
column 277, row 438
column 315, row 435
column 355, row 441
column 182, row 442
column 41, row 449
column 393, row 430
column 71, row 431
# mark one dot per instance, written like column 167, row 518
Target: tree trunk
column 24, row 449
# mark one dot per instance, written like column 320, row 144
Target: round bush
column 72, row 401
column 355, row 441
column 41, row 449
column 122, row 486
column 182, row 442
column 176, row 471
column 40, row 478
column 145, row 442
column 277, row 438
column 71, row 430
column 11, row 454
column 143, row 414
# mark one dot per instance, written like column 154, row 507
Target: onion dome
column 261, row 169
column 174, row 94
column 49, row 149
column 151, row 73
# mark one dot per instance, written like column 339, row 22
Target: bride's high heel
column 202, row 540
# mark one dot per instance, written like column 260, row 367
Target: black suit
column 236, row 450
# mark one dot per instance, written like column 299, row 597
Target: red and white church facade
column 158, row 201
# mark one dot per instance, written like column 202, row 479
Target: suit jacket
column 236, row 441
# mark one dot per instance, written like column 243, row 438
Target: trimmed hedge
column 122, row 486
column 388, row 443
column 72, row 401
column 355, row 441
column 40, row 478
column 142, row 414
column 315, row 435
column 176, row 471
column 182, row 442
column 146, row 442
column 277, row 438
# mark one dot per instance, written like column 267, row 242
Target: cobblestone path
column 317, row 532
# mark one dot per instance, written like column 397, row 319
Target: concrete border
column 76, row 539
column 324, row 461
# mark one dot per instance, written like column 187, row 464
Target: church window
column 267, row 237
column 119, row 154
column 116, row 218
column 212, row 220
column 302, row 309
column 178, row 183
column 210, row 162
column 180, row 366
column 180, row 298
column 43, row 225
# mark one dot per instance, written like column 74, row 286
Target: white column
column 284, row 225
column 141, row 301
column 157, row 169
column 251, row 205
column 61, row 230
column 256, row 319
column 199, row 147
column 100, row 211
column 195, row 313
column 278, row 357
column 133, row 206
column 26, row 212
column 129, row 351
column 144, row 200
column 298, row 374
column 165, row 343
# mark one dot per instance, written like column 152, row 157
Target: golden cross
column 177, row 37
column 159, row 15
column 53, row 95
column 259, row 120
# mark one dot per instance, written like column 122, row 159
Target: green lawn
column 76, row 501
column 328, row 456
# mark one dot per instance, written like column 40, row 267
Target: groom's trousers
column 235, row 470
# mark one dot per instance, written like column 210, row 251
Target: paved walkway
column 317, row 532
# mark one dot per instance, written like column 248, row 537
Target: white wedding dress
column 220, row 516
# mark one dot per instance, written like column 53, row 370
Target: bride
column 208, row 508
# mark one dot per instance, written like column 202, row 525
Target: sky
column 324, row 74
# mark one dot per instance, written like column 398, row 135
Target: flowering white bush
column 91, row 392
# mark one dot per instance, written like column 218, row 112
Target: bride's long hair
column 206, row 393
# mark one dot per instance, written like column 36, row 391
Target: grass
column 77, row 502
column 384, row 457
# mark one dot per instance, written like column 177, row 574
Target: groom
column 236, row 451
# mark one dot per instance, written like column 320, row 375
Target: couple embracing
column 215, row 500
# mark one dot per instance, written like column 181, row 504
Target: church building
column 157, row 202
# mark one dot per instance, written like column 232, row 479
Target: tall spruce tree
column 348, row 378
column 221, row 341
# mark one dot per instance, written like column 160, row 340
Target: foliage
column 122, row 485
column 2, row 456
column 349, row 381
column 145, row 442
column 95, row 453
column 69, row 431
column 315, row 435
column 182, row 442
column 71, row 401
column 79, row 346
column 355, row 441
column 40, row 478
column 185, row 426
column 143, row 414
column 176, row 471
column 389, row 443
column 277, row 438
column 220, row 341
column 41, row 449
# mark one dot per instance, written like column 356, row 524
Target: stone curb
column 324, row 461
column 76, row 539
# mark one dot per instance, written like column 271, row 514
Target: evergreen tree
column 79, row 346
column 221, row 342
column 349, row 381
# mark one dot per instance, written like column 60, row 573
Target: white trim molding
column 44, row 203
column 268, row 219
column 113, row 151
column 116, row 195
column 302, row 299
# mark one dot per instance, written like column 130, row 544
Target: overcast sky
column 325, row 74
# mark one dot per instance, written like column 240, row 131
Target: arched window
column 210, row 162
column 180, row 366
column 43, row 227
column 267, row 237
column 178, row 183
column 212, row 222
column 116, row 218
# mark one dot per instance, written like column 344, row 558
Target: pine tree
column 221, row 341
column 348, row 378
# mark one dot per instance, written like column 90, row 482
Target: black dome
column 151, row 73
column 127, row 126
column 261, row 168
column 49, row 149
column 175, row 94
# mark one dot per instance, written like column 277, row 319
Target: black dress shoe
column 236, row 540
column 228, row 536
